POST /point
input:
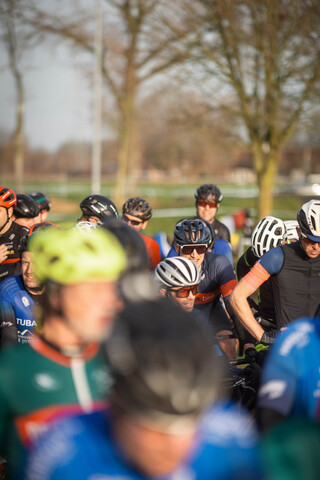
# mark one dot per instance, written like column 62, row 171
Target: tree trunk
column 127, row 125
column 19, row 136
column 266, row 180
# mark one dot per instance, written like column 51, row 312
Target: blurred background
column 154, row 98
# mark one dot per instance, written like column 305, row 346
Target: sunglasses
column 133, row 222
column 204, row 203
column 188, row 249
column 307, row 240
column 184, row 292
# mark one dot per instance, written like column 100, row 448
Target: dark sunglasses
column 204, row 203
column 188, row 249
column 307, row 240
column 133, row 222
column 184, row 292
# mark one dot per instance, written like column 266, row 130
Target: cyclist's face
column 313, row 251
column 154, row 453
column 27, row 222
column 187, row 303
column 135, row 222
column 4, row 215
column 29, row 279
column 89, row 308
column 196, row 257
column 207, row 212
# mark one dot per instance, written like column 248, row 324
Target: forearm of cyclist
column 240, row 305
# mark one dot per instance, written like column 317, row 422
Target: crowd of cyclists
column 123, row 357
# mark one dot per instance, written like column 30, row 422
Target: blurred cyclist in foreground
column 60, row 371
column 158, row 425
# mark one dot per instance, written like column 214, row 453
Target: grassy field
column 170, row 202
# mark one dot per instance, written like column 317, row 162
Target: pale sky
column 58, row 100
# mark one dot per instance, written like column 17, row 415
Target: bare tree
column 11, row 39
column 141, row 39
column 265, row 57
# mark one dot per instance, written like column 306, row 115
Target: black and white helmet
column 309, row 220
column 177, row 272
column 269, row 233
column 291, row 227
column 98, row 206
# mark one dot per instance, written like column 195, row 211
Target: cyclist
column 137, row 212
column 60, row 370
column 192, row 238
column 291, row 375
column 44, row 204
column 95, row 208
column 158, row 425
column 10, row 235
column 208, row 199
column 294, row 270
column 18, row 296
column 26, row 212
column 269, row 233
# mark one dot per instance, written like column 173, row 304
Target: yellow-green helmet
column 70, row 256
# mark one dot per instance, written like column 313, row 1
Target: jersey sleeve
column 8, row 324
column 283, row 368
column 272, row 260
column 224, row 275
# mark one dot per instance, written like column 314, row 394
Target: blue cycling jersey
column 221, row 247
column 16, row 310
column 82, row 448
column 290, row 381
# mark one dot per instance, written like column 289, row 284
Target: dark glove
column 269, row 337
column 252, row 356
column 252, row 375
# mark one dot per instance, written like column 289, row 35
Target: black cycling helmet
column 208, row 191
column 189, row 232
column 98, row 206
column 26, row 207
column 162, row 363
column 137, row 207
column 24, row 241
column 131, row 242
column 42, row 200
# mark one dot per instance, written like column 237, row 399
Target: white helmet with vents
column 177, row 272
column 269, row 233
column 291, row 226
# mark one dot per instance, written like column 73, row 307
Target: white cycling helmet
column 269, row 233
column 177, row 272
column 291, row 226
column 85, row 226
column 309, row 220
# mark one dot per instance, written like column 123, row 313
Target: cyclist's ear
column 163, row 292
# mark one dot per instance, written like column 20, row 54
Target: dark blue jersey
column 83, row 448
column 290, row 381
column 16, row 311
